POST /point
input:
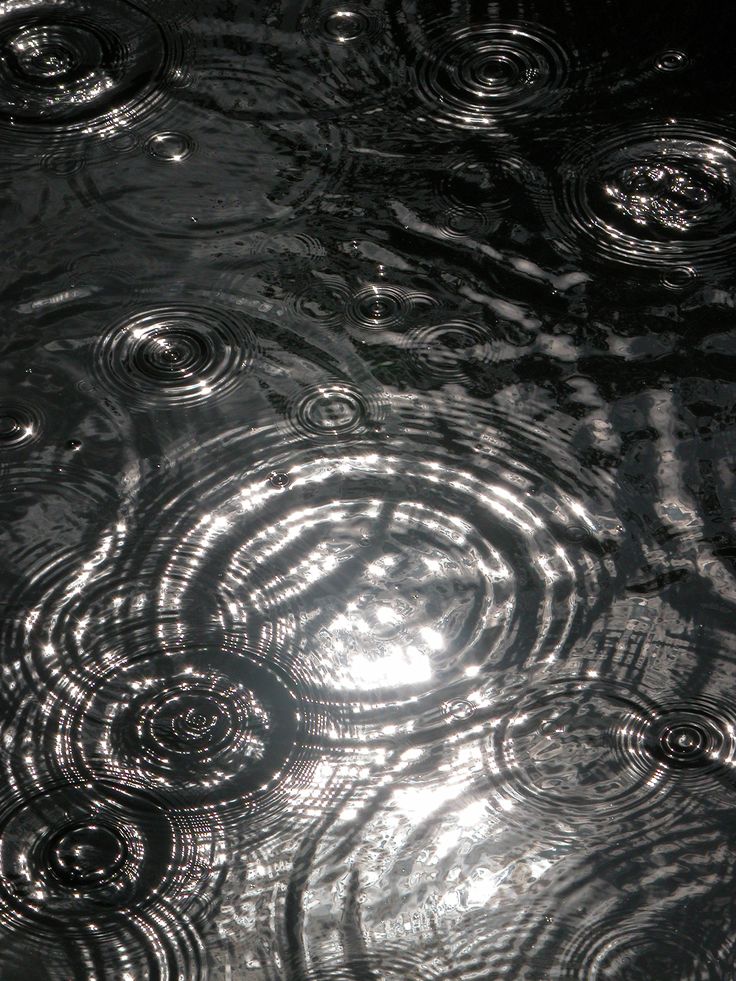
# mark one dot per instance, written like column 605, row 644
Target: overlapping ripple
column 306, row 60
column 641, row 948
column 69, row 66
column 122, row 877
column 175, row 187
column 322, row 299
column 477, row 193
column 569, row 751
column 432, row 867
column 396, row 576
column 212, row 730
column 470, row 199
column 448, row 350
column 333, row 410
column 50, row 509
column 408, row 874
column 538, row 941
column 693, row 741
column 380, row 306
column 366, row 591
column 620, row 911
column 653, row 194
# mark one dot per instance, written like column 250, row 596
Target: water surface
column 367, row 455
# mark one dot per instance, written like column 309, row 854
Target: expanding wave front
column 367, row 469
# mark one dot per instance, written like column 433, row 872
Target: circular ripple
column 449, row 350
column 171, row 147
column 639, row 950
column 87, row 853
column 285, row 171
column 473, row 76
column 20, row 424
column 671, row 61
column 50, row 510
column 279, row 479
column 460, row 708
column 388, row 617
column 678, row 278
column 381, row 306
column 378, row 307
column 422, row 841
column 73, row 62
column 346, row 24
column 463, row 222
column 215, row 729
column 619, row 919
column 63, row 164
column 654, row 195
column 175, row 355
column 317, row 59
column 696, row 741
column 571, row 752
column 23, row 959
column 397, row 576
column 387, row 962
column 330, row 410
column 79, row 866
column 323, row 300
column 490, row 185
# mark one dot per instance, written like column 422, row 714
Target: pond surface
column 367, row 460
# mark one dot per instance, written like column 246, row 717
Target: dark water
column 367, row 456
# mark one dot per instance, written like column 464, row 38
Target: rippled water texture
column 367, row 464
